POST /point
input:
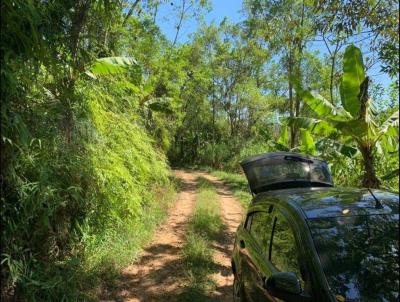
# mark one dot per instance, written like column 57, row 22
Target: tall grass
column 131, row 176
column 205, row 225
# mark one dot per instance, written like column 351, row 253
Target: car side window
column 284, row 254
column 260, row 229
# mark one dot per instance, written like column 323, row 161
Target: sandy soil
column 158, row 275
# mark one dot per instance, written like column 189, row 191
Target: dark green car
column 305, row 240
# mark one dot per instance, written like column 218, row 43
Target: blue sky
column 220, row 9
column 166, row 19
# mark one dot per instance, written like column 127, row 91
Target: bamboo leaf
column 353, row 77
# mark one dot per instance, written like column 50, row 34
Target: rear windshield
column 266, row 172
column 359, row 255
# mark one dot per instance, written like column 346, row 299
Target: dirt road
column 158, row 275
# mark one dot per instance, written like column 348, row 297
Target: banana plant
column 307, row 144
column 356, row 120
column 111, row 65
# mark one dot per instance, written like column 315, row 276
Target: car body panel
column 299, row 206
column 328, row 202
column 302, row 235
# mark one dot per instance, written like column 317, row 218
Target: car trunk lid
column 281, row 170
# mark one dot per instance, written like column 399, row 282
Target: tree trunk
column 369, row 178
column 331, row 78
column 213, row 126
column 297, row 59
column 181, row 148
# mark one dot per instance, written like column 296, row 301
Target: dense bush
column 73, row 210
column 83, row 182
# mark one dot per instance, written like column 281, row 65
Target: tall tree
column 285, row 27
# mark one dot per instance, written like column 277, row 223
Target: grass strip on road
column 205, row 226
column 236, row 183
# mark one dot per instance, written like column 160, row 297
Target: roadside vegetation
column 98, row 103
column 205, row 226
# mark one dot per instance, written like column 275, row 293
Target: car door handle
column 242, row 244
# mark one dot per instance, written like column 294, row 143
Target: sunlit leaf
column 356, row 128
column 342, row 148
column 390, row 140
column 112, row 65
column 284, row 136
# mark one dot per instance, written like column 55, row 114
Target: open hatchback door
column 283, row 170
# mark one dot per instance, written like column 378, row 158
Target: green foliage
column 307, row 142
column 84, row 184
column 342, row 21
column 99, row 204
column 112, row 65
column 353, row 77
column 363, row 128
column 283, row 140
column 323, row 107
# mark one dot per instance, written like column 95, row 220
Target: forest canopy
column 97, row 104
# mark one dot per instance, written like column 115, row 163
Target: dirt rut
column 158, row 274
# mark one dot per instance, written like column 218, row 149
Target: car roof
column 332, row 202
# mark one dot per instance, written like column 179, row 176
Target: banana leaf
column 322, row 107
column 112, row 65
column 353, row 77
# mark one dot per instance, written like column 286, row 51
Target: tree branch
column 130, row 12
